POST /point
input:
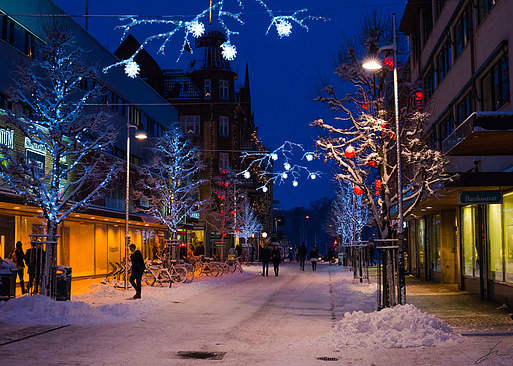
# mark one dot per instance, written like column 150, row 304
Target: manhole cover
column 198, row 355
column 326, row 358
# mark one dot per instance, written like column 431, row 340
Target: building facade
column 95, row 237
column 459, row 53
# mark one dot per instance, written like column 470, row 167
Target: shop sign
column 6, row 138
column 34, row 147
column 479, row 197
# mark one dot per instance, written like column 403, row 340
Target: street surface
column 250, row 320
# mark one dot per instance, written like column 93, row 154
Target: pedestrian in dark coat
column 314, row 257
column 35, row 259
column 301, row 255
column 265, row 257
column 138, row 268
column 276, row 259
column 18, row 257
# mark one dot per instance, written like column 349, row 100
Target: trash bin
column 7, row 284
column 61, row 283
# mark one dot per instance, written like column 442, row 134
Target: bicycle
column 156, row 274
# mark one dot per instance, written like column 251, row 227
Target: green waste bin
column 61, row 283
column 7, row 284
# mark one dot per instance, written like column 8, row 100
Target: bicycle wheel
column 164, row 278
column 148, row 279
column 181, row 274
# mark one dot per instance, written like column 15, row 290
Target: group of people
column 34, row 259
column 273, row 256
column 313, row 256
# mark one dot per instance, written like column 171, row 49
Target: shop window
column 468, row 238
column 434, row 242
column 496, row 254
column 508, row 236
column 421, row 243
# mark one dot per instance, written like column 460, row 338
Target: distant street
column 250, row 320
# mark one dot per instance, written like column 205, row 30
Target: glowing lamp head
column 141, row 135
column 265, row 189
column 372, row 64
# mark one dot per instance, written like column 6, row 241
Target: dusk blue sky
column 284, row 73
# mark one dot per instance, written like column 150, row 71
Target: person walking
column 265, row 257
column 35, row 259
column 301, row 255
column 138, row 268
column 276, row 259
column 18, row 257
column 314, row 257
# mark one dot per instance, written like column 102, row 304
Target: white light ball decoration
column 274, row 156
column 284, row 175
column 195, row 28
column 247, row 174
column 229, row 51
column 309, row 157
column 286, row 166
column 132, row 69
column 313, row 176
column 295, row 183
column 283, row 27
column 264, row 189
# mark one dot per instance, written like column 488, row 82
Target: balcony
column 482, row 133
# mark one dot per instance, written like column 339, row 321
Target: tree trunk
column 50, row 259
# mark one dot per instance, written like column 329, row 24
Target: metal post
column 127, row 202
column 400, row 235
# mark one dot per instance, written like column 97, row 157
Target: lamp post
column 141, row 135
column 375, row 65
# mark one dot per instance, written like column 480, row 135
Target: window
column 224, row 126
column 190, row 125
column 439, row 4
column 429, row 83
column 484, row 7
column 494, row 227
column 447, row 125
column 208, row 88
column 223, row 89
column 461, row 32
column 224, row 161
column 495, row 85
column 444, row 60
column 434, row 241
column 463, row 109
column 17, row 36
column 134, row 116
column 470, row 265
column 507, row 210
column 427, row 23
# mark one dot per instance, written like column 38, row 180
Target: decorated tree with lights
column 57, row 119
column 247, row 222
column 223, row 13
column 349, row 214
column 170, row 184
column 361, row 139
column 221, row 210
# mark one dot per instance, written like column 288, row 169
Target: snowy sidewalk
column 298, row 318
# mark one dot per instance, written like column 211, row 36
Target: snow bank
column 398, row 327
column 40, row 309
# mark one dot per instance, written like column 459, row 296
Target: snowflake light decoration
column 229, row 51
column 283, row 27
column 132, row 69
column 195, row 28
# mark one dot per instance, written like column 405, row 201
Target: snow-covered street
column 297, row 318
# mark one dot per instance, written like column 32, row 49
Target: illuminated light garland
column 263, row 162
column 247, row 175
column 193, row 26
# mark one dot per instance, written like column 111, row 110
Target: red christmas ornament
column 389, row 61
column 372, row 164
column 419, row 96
column 364, row 106
column 349, row 152
column 358, row 191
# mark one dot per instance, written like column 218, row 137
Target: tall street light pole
column 141, row 135
column 374, row 65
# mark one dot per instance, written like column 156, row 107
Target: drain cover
column 199, row 355
column 326, row 358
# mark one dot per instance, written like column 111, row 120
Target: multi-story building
column 92, row 238
column 216, row 116
column 459, row 51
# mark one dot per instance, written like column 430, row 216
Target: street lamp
column 373, row 65
column 141, row 135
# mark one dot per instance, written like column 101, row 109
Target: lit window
column 208, row 88
column 224, row 126
column 190, row 125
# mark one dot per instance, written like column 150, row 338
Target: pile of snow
column 40, row 309
column 398, row 327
